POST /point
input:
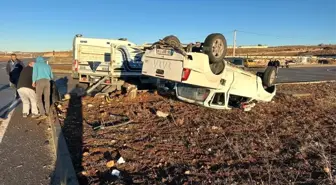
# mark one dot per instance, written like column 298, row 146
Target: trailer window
column 107, row 57
column 219, row 99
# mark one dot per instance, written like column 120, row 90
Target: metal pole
column 88, row 91
column 234, row 43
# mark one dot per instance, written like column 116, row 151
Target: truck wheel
column 269, row 76
column 217, row 67
column 173, row 41
column 215, row 47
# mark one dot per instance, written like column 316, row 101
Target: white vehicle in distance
column 204, row 77
column 106, row 64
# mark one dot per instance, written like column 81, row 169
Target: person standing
column 27, row 91
column 13, row 68
column 42, row 75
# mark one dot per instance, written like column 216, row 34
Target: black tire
column 260, row 74
column 173, row 41
column 189, row 48
column 216, row 54
column 217, row 67
column 269, row 76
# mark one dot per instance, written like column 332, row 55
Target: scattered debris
column 301, row 94
column 115, row 172
column 110, row 164
column 86, row 154
column 326, row 169
column 162, row 114
column 121, row 160
column 113, row 141
column 214, row 128
column 197, row 145
column 85, row 173
column 247, row 106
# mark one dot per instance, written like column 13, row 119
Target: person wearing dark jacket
column 13, row 69
column 27, row 91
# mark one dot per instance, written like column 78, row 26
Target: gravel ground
column 291, row 140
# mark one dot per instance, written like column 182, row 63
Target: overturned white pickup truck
column 204, row 77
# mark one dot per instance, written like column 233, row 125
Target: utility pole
column 234, row 42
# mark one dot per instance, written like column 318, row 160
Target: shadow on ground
column 69, row 139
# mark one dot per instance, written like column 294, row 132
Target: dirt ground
column 61, row 67
column 291, row 140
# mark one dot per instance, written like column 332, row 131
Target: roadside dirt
column 61, row 67
column 290, row 140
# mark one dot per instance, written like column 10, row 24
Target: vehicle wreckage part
column 217, row 67
column 88, row 91
column 192, row 92
column 173, row 41
column 269, row 76
column 215, row 47
column 185, row 74
column 127, row 62
column 109, row 88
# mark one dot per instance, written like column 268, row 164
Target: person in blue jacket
column 42, row 75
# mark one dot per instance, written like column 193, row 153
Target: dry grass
column 289, row 141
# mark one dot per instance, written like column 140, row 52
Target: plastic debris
column 115, row 173
column 214, row 127
column 162, row 114
column 247, row 107
column 110, row 164
column 121, row 160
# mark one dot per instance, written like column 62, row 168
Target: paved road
column 26, row 155
column 7, row 93
column 26, row 152
column 300, row 74
column 304, row 74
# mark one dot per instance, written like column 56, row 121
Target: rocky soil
column 291, row 140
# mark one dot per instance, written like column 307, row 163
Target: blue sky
column 36, row 25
